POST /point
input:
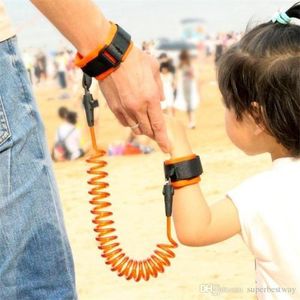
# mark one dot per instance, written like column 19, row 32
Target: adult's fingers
column 121, row 119
column 132, row 123
column 112, row 97
column 141, row 113
column 127, row 121
column 160, row 87
column 144, row 124
column 158, row 125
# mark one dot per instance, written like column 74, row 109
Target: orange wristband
column 185, row 182
column 107, row 57
column 179, row 159
column 108, row 72
column 81, row 61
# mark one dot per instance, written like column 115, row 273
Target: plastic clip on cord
column 113, row 254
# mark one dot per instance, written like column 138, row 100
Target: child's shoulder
column 283, row 170
column 253, row 184
column 279, row 181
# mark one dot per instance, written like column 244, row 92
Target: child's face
column 250, row 137
column 245, row 134
column 164, row 71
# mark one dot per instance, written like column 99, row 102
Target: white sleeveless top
column 6, row 30
column 269, row 210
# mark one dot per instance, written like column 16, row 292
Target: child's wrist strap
column 106, row 58
column 183, row 171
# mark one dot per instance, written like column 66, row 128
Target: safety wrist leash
column 178, row 173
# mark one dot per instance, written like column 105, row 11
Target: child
column 259, row 78
column 187, row 97
column 167, row 105
column 67, row 139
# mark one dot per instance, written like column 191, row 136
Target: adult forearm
column 80, row 21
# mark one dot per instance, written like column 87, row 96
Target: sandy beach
column 137, row 203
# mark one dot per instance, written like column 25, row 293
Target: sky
column 147, row 19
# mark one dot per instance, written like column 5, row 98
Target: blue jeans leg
column 35, row 257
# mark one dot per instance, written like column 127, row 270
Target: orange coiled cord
column 115, row 256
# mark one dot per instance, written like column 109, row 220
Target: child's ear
column 256, row 114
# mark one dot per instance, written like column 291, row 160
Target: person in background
column 146, row 47
column 172, row 69
column 41, row 59
column 62, row 113
column 37, row 70
column 187, row 95
column 167, row 78
column 163, row 58
column 70, row 134
column 209, row 46
column 61, row 62
column 219, row 47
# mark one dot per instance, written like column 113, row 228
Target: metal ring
column 135, row 126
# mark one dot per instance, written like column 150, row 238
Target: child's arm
column 196, row 223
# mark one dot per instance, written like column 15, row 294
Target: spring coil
column 114, row 255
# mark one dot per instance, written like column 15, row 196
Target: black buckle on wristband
column 111, row 56
column 183, row 170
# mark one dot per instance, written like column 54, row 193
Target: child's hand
column 177, row 135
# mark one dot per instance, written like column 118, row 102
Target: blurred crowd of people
column 55, row 66
column 59, row 64
column 180, row 72
column 217, row 45
column 180, row 86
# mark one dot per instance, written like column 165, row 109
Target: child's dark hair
column 185, row 57
column 264, row 67
column 72, row 117
column 164, row 65
column 62, row 112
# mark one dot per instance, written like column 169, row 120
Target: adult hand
column 133, row 92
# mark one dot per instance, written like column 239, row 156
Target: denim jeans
column 35, row 256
